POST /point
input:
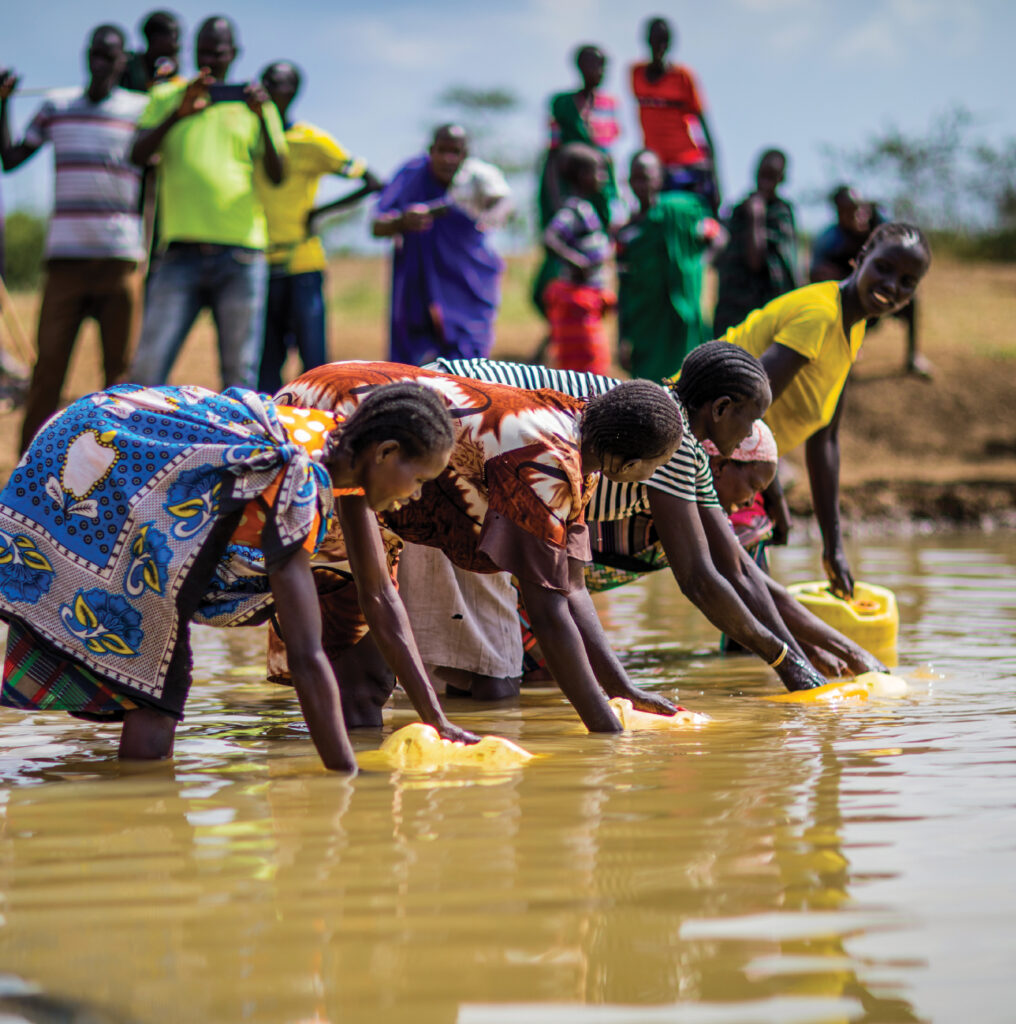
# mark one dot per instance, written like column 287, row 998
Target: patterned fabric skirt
column 38, row 677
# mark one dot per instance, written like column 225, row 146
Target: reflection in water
column 785, row 863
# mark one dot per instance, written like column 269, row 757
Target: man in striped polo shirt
column 672, row 520
column 94, row 242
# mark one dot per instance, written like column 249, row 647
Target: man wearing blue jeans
column 211, row 223
column 296, row 257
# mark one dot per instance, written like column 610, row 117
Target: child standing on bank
column 577, row 298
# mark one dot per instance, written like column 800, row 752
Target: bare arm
column 300, row 622
column 810, row 629
column 385, row 614
column 552, row 179
column 779, row 511
column 271, row 159
column 822, row 453
column 370, row 184
column 147, row 141
column 553, row 241
column 560, row 639
column 755, row 254
column 604, row 662
column 680, row 525
column 704, row 121
column 781, row 365
column 11, row 155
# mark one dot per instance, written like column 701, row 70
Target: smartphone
column 219, row 92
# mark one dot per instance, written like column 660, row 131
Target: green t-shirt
column 206, row 170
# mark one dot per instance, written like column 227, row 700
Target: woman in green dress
column 660, row 256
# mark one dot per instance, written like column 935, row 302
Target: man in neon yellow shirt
column 296, row 257
column 209, row 137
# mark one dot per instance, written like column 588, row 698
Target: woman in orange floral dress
column 512, row 498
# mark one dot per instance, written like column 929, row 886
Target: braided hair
column 719, row 369
column 906, row 235
column 415, row 416
column 635, row 420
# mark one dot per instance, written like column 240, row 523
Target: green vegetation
column 956, row 185
column 25, row 236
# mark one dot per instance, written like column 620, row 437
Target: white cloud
column 769, row 6
column 911, row 28
column 875, row 38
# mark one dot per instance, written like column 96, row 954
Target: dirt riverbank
column 916, row 453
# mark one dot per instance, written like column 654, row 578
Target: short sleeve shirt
column 687, row 476
column 95, row 209
column 578, row 226
column 513, row 495
column 313, row 153
column 670, row 111
column 810, row 322
column 206, row 170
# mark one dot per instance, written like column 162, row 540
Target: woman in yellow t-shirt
column 807, row 340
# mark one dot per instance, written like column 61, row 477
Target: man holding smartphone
column 445, row 274
column 209, row 136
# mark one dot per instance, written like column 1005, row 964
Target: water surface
column 782, row 864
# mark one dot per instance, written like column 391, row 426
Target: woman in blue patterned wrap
column 137, row 511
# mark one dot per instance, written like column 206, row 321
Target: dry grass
column 959, row 426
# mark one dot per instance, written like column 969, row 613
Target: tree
column 485, row 113
column 944, row 178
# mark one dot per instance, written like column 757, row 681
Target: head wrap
column 758, row 446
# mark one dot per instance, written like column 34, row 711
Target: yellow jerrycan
column 868, row 685
column 635, row 720
column 418, row 747
column 870, row 618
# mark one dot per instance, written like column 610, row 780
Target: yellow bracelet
column 779, row 660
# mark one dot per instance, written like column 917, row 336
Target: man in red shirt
column 673, row 119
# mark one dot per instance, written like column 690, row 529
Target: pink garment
column 758, row 446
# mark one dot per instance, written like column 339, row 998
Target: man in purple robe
column 445, row 275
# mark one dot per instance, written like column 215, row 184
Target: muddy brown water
column 782, row 864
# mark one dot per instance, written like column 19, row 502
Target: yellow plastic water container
column 418, row 747
column 870, row 618
column 868, row 685
column 636, row 721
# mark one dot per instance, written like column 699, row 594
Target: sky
column 803, row 75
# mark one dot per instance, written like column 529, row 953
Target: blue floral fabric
column 113, row 510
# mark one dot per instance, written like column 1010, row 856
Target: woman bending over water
column 138, row 511
column 513, row 498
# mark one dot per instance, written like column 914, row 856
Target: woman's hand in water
column 796, row 674
column 841, row 580
column 654, row 703
column 447, row 731
column 830, row 665
column 859, row 660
